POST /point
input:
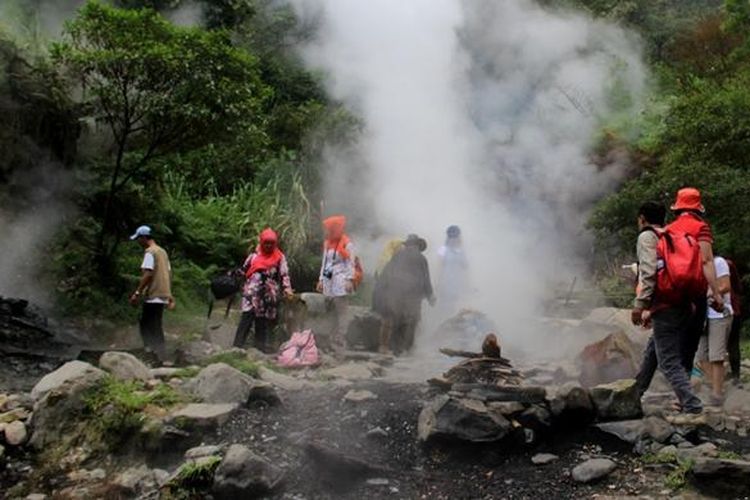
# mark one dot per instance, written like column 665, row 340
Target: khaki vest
column 160, row 286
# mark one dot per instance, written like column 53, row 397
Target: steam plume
column 481, row 114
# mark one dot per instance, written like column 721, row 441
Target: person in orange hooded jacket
column 336, row 280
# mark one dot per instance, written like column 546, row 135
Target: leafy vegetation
column 677, row 477
column 236, row 360
column 116, row 409
column 193, row 478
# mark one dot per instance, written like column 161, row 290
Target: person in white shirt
column 712, row 349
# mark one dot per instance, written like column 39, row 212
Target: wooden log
column 455, row 353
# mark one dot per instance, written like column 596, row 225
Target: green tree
column 158, row 89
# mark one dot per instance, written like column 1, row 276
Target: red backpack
column 681, row 278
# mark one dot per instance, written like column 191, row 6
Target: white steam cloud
column 482, row 114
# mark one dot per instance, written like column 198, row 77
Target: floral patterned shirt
column 262, row 291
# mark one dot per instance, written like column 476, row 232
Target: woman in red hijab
column 337, row 271
column 267, row 277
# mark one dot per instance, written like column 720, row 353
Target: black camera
column 328, row 273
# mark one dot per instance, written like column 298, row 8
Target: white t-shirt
column 722, row 270
column 149, row 264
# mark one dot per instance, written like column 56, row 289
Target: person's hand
column 717, row 303
column 171, row 304
column 432, row 300
column 319, row 287
column 288, row 295
column 134, row 299
column 636, row 316
column 646, row 318
column 349, row 287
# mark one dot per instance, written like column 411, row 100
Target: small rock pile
column 484, row 400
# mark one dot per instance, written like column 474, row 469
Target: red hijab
column 263, row 259
column 336, row 238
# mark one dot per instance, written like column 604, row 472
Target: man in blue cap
column 154, row 291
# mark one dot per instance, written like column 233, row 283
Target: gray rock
column 355, row 371
column 36, row 496
column 16, row 433
column 202, row 451
column 67, row 373
column 703, row 450
column 197, row 352
column 15, row 414
column 721, row 478
column 124, row 366
column 243, row 474
column 355, row 396
column 283, row 381
column 737, row 401
column 658, row 429
column 593, row 469
column 139, row 481
column 572, row 404
column 544, row 458
column 506, row 408
column 462, row 420
column 220, row 383
column 201, row 415
column 617, row 400
column 60, row 397
column 315, row 303
column 629, row 431
column 364, row 329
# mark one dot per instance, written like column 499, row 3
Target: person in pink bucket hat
column 689, row 210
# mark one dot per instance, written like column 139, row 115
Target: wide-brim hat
column 688, row 199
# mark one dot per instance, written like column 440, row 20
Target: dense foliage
column 211, row 131
column 201, row 132
column 699, row 135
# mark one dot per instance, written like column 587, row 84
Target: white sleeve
column 722, row 268
column 148, row 262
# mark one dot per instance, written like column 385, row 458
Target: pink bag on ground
column 300, row 350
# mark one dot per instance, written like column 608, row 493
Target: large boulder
column 721, row 478
column 220, row 383
column 613, row 358
column 354, row 371
column 60, row 397
column 617, row 401
column 124, row 366
column 70, row 372
column 243, row 474
column 572, row 405
column 196, row 352
column 364, row 329
column 470, row 420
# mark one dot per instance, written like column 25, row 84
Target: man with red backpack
column 658, row 302
column 689, row 211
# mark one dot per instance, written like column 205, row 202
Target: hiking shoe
column 695, row 418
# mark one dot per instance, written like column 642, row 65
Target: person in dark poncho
column 403, row 285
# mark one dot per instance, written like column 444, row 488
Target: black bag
column 225, row 285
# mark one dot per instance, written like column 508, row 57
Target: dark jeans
column 734, row 347
column 664, row 346
column 152, row 332
column 262, row 326
column 696, row 328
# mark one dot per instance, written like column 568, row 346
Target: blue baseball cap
column 141, row 231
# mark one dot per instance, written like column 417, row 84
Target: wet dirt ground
column 399, row 466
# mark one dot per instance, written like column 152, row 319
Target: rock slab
column 70, row 371
column 722, row 478
column 244, row 474
column 544, row 458
column 617, row 401
column 124, row 366
column 593, row 469
column 220, row 383
column 462, row 420
column 202, row 415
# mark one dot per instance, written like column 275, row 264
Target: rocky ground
column 228, row 424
